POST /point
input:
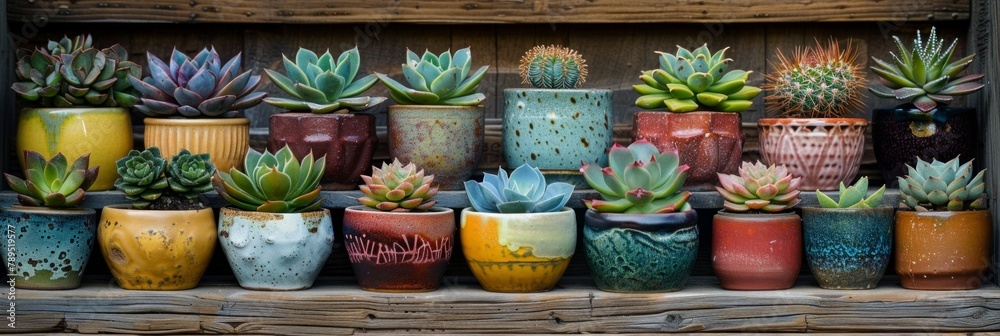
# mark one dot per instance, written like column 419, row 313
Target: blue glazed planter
column 641, row 253
column 555, row 129
column 50, row 247
column 848, row 248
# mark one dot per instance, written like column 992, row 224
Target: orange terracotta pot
column 943, row 250
column 708, row 142
column 756, row 251
column 226, row 140
column 823, row 151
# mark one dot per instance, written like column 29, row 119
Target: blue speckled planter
column 641, row 253
column 555, row 130
column 50, row 247
column 847, row 248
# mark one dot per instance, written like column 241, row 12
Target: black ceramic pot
column 904, row 133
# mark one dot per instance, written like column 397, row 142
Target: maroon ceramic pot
column 708, row 142
column 756, row 251
column 347, row 140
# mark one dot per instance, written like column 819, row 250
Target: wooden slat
column 7, row 114
column 984, row 40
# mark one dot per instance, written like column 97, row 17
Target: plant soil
column 174, row 203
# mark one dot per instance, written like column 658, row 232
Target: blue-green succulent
column 322, row 84
column 437, row 80
column 524, row 191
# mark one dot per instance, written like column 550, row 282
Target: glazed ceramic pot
column 756, row 251
column 823, row 151
column 708, row 142
column 156, row 249
column 556, row 129
column 105, row 133
column 518, row 253
column 904, row 134
column 446, row 141
column 347, row 140
column 49, row 248
column 943, row 250
column 641, row 252
column 847, row 248
column 226, row 140
column 275, row 251
column 399, row 251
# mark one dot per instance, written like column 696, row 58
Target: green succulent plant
column 190, row 175
column 142, row 176
column 437, row 80
column 697, row 80
column 942, row 186
column 639, row 179
column 277, row 183
column 553, row 67
column 322, row 84
column 523, row 191
column 396, row 187
column 759, row 188
column 67, row 45
column 51, row 183
column 151, row 182
column 853, row 196
column 817, row 82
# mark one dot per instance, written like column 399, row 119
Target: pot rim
column 238, row 211
column 738, row 114
column 822, row 209
column 947, row 213
column 434, row 107
column 618, row 214
column 234, row 121
column 434, row 211
column 725, row 213
column 641, row 222
column 74, row 109
column 813, row 121
column 472, row 210
column 49, row 210
column 128, row 208
column 557, row 90
column 318, row 115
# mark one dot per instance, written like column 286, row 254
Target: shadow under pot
column 823, row 151
column 47, row 247
column 641, row 252
column 848, row 248
column 226, row 140
column 708, row 142
column 905, row 133
column 943, row 250
column 446, row 141
column 756, row 251
column 347, row 140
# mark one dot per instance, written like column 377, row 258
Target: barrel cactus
column 437, row 80
column 51, row 183
column 759, row 188
column 553, row 67
column 817, row 82
column 322, row 84
column 399, row 188
column 852, row 197
column 277, row 183
column 523, row 191
column 698, row 80
column 639, row 179
column 942, row 186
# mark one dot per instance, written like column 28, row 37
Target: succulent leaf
column 523, row 191
column 695, row 81
column 437, row 80
column 639, row 179
column 942, row 186
column 760, row 188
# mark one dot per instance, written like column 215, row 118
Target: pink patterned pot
column 823, row 151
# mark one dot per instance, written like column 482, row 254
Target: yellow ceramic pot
column 226, row 140
column 518, row 253
column 156, row 249
column 105, row 133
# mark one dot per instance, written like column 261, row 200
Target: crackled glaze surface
column 226, row 140
column 847, row 248
column 756, row 251
column 50, row 247
column 348, row 142
column 823, row 151
column 943, row 250
column 446, row 141
column 708, row 142
column 901, row 140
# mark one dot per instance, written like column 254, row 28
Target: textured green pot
column 47, row 248
column 446, row 141
column 847, row 248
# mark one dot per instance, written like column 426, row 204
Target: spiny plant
column 437, row 80
column 759, row 188
column 942, row 186
column 322, row 84
column 524, row 191
column 853, row 196
column 399, row 188
column 698, row 80
column 638, row 179
column 51, row 183
column 817, row 82
column 553, row 67
column 151, row 182
column 277, row 183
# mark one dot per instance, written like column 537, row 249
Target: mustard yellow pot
column 226, row 140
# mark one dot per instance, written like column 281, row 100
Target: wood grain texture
column 984, row 40
column 7, row 118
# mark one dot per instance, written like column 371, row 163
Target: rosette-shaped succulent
column 942, row 186
column 437, row 80
column 322, row 84
column 396, row 187
column 759, row 188
column 553, row 67
column 853, row 196
column 817, row 82
column 67, row 45
column 39, row 78
column 276, row 182
column 190, row 175
column 51, row 183
column 639, row 179
column 142, row 176
column 524, row 191
column 698, row 80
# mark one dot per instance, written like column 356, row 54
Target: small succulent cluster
column 51, row 183
column 924, row 74
column 690, row 81
column 759, row 188
column 399, row 188
column 817, row 82
column 437, row 80
column 150, row 182
column 639, row 179
column 553, row 67
column 853, row 196
column 942, row 186
column 524, row 191
column 277, row 183
column 322, row 84
column 196, row 87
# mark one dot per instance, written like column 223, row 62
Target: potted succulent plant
column 49, row 224
column 641, row 236
column 192, row 103
column 438, row 122
column 705, row 99
column 814, row 92
column 275, row 235
column 397, row 241
column 74, row 101
column 518, row 236
column 943, row 229
column 756, row 237
column 323, row 90
column 554, row 125
column 165, row 238
column 848, row 242
column 925, row 80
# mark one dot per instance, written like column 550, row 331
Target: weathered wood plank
column 984, row 40
column 7, row 117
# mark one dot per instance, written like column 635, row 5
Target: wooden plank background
column 986, row 35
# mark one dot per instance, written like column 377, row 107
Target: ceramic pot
column 641, row 252
column 156, row 249
column 708, row 142
column 823, row 151
column 905, row 134
column 105, row 133
column 943, row 250
column 48, row 248
column 518, row 253
column 556, row 129
column 399, row 251
column 446, row 141
column 226, row 140
column 347, row 140
column 275, row 251
column 756, row 251
column 847, row 248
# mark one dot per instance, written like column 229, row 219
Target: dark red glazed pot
column 756, row 251
column 347, row 140
column 708, row 142
column 902, row 135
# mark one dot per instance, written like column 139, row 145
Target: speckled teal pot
column 446, row 141
column 847, row 248
column 48, row 248
column 556, row 129
column 641, row 253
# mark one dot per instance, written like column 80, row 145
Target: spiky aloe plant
column 942, row 186
column 697, row 80
column 278, row 182
column 817, row 82
column 51, row 183
column 396, row 187
column 759, row 188
column 638, row 179
column 924, row 74
column 437, row 80
column 853, row 196
column 553, row 67
column 151, row 182
column 322, row 84
column 523, row 191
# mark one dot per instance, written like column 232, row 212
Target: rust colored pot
column 756, row 251
column 708, row 142
column 399, row 251
column 347, row 140
column 446, row 141
column 823, row 151
column 943, row 250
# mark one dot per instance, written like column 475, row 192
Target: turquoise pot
column 641, row 252
column 47, row 248
column 556, row 129
column 848, row 248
